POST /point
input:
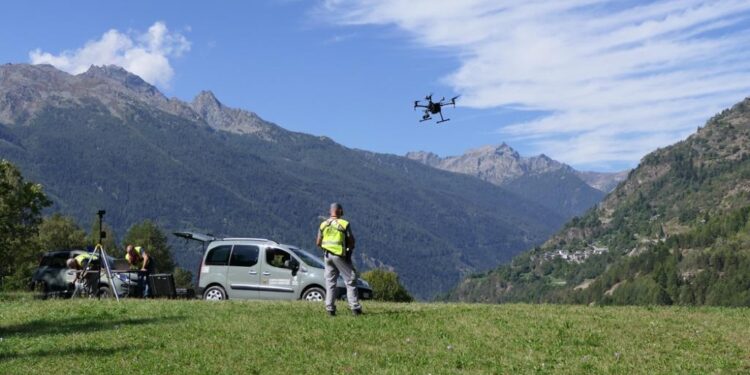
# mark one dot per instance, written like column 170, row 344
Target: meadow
column 263, row 337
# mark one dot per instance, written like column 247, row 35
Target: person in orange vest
column 139, row 259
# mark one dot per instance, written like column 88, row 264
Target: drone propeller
column 416, row 102
column 428, row 97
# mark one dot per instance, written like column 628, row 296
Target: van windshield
column 308, row 258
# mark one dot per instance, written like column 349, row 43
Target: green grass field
column 177, row 337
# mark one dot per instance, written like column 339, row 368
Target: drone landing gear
column 442, row 119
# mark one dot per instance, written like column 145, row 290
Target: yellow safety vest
column 139, row 256
column 334, row 235
column 85, row 256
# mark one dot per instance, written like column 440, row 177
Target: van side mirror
column 293, row 265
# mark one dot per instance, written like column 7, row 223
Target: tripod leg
column 76, row 289
column 109, row 274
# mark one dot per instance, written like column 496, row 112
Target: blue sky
column 593, row 83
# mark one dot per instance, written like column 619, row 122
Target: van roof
column 248, row 239
column 206, row 238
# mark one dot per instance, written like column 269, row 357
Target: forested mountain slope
column 676, row 231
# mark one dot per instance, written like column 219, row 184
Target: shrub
column 386, row 286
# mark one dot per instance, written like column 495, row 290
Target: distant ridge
column 555, row 185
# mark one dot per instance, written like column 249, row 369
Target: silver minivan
column 257, row 268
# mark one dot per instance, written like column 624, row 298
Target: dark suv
column 53, row 278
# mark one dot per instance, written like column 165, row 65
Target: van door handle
column 266, row 273
column 253, row 272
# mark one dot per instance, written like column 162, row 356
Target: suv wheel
column 215, row 293
column 314, row 294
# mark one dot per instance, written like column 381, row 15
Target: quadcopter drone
column 432, row 108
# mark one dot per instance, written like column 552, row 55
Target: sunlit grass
column 133, row 337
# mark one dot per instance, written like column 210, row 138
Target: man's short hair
column 337, row 206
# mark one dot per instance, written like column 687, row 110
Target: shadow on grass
column 73, row 352
column 393, row 313
column 42, row 327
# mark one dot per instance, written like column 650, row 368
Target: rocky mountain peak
column 111, row 71
column 505, row 149
column 114, row 73
column 205, row 100
column 501, row 164
column 424, row 157
column 498, row 164
column 25, row 89
column 228, row 119
column 489, row 151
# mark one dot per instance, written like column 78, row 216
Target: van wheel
column 314, row 294
column 215, row 293
column 104, row 293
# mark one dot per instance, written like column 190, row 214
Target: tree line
column 26, row 234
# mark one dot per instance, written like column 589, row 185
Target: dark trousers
column 143, row 281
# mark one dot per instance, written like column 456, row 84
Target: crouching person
column 80, row 263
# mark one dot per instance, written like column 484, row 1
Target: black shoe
column 331, row 312
column 357, row 312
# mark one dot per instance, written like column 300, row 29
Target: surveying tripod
column 93, row 287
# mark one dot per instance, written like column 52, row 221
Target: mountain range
column 106, row 139
column 676, row 231
column 553, row 184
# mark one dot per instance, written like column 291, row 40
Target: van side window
column 277, row 257
column 218, row 256
column 244, row 256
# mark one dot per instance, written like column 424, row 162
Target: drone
column 432, row 108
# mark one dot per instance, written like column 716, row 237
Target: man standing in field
column 337, row 241
column 139, row 259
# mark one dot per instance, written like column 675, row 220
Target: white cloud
column 144, row 54
column 617, row 79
